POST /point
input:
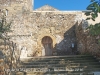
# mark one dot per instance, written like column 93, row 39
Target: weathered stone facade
column 87, row 44
column 29, row 27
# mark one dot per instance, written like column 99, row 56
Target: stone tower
column 29, row 4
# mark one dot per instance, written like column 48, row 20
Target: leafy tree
column 95, row 7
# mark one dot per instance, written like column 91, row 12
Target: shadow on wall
column 68, row 46
column 86, row 43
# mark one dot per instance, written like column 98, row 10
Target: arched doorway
column 48, row 45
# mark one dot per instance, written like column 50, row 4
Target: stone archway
column 40, row 46
column 47, row 43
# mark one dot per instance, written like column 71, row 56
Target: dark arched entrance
column 47, row 44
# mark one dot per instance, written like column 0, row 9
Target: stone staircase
column 60, row 65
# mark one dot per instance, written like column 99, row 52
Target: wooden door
column 47, row 44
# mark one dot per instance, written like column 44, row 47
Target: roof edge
column 65, row 11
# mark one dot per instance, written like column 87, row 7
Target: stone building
column 45, row 31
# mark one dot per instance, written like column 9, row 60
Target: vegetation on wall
column 11, row 57
column 95, row 7
column 4, row 27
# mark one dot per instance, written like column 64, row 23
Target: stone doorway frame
column 46, row 40
column 40, row 39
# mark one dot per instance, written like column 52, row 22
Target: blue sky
column 63, row 4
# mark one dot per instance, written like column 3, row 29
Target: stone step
column 60, row 69
column 50, row 57
column 63, row 73
column 61, row 56
column 58, row 57
column 52, row 61
column 58, row 62
column 56, row 73
column 70, row 59
column 66, row 59
column 62, row 66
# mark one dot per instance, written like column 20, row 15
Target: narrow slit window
column 6, row 12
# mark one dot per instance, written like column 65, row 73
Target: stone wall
column 29, row 29
column 64, row 28
column 16, row 5
column 87, row 44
